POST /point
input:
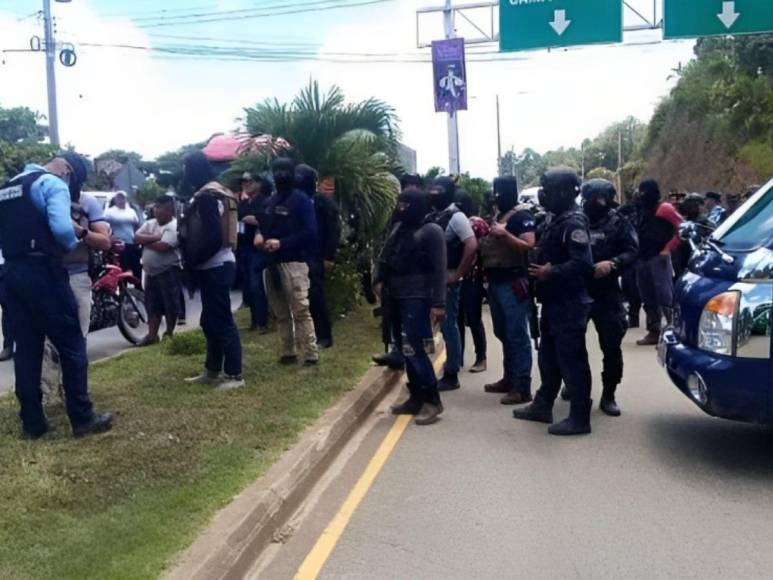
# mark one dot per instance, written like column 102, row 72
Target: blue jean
column 511, row 327
column 224, row 346
column 43, row 305
column 417, row 340
column 450, row 329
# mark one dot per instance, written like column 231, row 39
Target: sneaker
column 231, row 382
column 206, row 378
column 429, row 414
column 449, row 382
column 479, row 366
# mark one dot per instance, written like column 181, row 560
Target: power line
column 241, row 11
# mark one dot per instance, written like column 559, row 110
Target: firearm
column 534, row 313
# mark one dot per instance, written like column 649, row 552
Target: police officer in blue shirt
column 563, row 266
column 36, row 230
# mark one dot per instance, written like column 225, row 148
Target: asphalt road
column 661, row 492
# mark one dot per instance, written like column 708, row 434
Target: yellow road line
column 326, row 543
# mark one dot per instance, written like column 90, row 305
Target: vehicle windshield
column 751, row 226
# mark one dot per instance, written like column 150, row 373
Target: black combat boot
column 392, row 359
column 449, row 382
column 539, row 411
column 411, row 406
column 577, row 423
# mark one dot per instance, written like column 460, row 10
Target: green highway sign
column 692, row 18
column 530, row 24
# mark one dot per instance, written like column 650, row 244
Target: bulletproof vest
column 604, row 235
column 497, row 253
column 454, row 247
column 24, row 229
column 404, row 256
column 553, row 248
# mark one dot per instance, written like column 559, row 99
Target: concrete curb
column 238, row 534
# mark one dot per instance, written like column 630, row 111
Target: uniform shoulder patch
column 580, row 236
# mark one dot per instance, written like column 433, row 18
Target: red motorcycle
column 117, row 298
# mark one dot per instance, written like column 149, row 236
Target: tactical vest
column 454, row 247
column 229, row 219
column 495, row 252
column 403, row 255
column 24, row 229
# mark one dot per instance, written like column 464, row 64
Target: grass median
column 122, row 505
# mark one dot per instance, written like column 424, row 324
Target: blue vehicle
column 718, row 349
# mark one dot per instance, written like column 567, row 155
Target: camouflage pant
column 51, row 378
column 288, row 297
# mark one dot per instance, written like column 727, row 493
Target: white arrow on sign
column 560, row 23
column 728, row 16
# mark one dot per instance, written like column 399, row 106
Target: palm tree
column 355, row 144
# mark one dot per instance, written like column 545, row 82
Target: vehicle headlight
column 716, row 332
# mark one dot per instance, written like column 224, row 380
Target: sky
column 151, row 102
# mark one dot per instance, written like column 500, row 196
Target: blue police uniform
column 35, row 233
column 565, row 244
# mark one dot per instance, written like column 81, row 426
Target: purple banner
column 449, row 75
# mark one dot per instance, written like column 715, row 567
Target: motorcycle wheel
column 133, row 316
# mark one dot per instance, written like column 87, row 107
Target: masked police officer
column 614, row 246
column 36, row 230
column 563, row 266
column 413, row 267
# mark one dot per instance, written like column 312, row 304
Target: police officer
column 413, row 267
column 36, row 230
column 562, row 268
column 614, row 246
column 290, row 234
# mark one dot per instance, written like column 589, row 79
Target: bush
column 759, row 156
column 343, row 284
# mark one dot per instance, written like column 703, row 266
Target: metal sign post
column 454, row 164
column 53, row 114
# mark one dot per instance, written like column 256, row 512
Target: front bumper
column 732, row 388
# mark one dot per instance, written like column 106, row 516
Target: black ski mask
column 283, row 170
column 559, row 189
column 597, row 195
column 442, row 193
column 649, row 194
column 306, row 179
column 197, row 170
column 505, row 193
column 412, row 207
column 466, row 204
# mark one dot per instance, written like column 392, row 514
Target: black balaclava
column 447, row 187
column 412, row 207
column 197, row 170
column 283, row 170
column 649, row 194
column 306, row 179
column 466, row 204
column 506, row 193
column 411, row 180
column 560, row 187
column 597, row 197
column 80, row 172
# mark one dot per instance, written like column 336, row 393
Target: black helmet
column 506, row 193
column 560, row 187
column 598, row 188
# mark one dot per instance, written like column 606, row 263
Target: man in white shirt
column 161, row 264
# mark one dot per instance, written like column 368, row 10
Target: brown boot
column 516, row 398
column 500, row 387
column 651, row 339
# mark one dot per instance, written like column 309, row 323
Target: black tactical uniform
column 613, row 240
column 565, row 245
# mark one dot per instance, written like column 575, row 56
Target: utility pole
column 53, row 115
column 454, row 166
column 499, row 142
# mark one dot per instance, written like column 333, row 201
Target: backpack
column 203, row 233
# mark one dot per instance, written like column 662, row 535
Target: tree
column 356, row 144
column 21, row 124
column 477, row 187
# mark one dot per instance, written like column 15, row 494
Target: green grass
column 123, row 505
